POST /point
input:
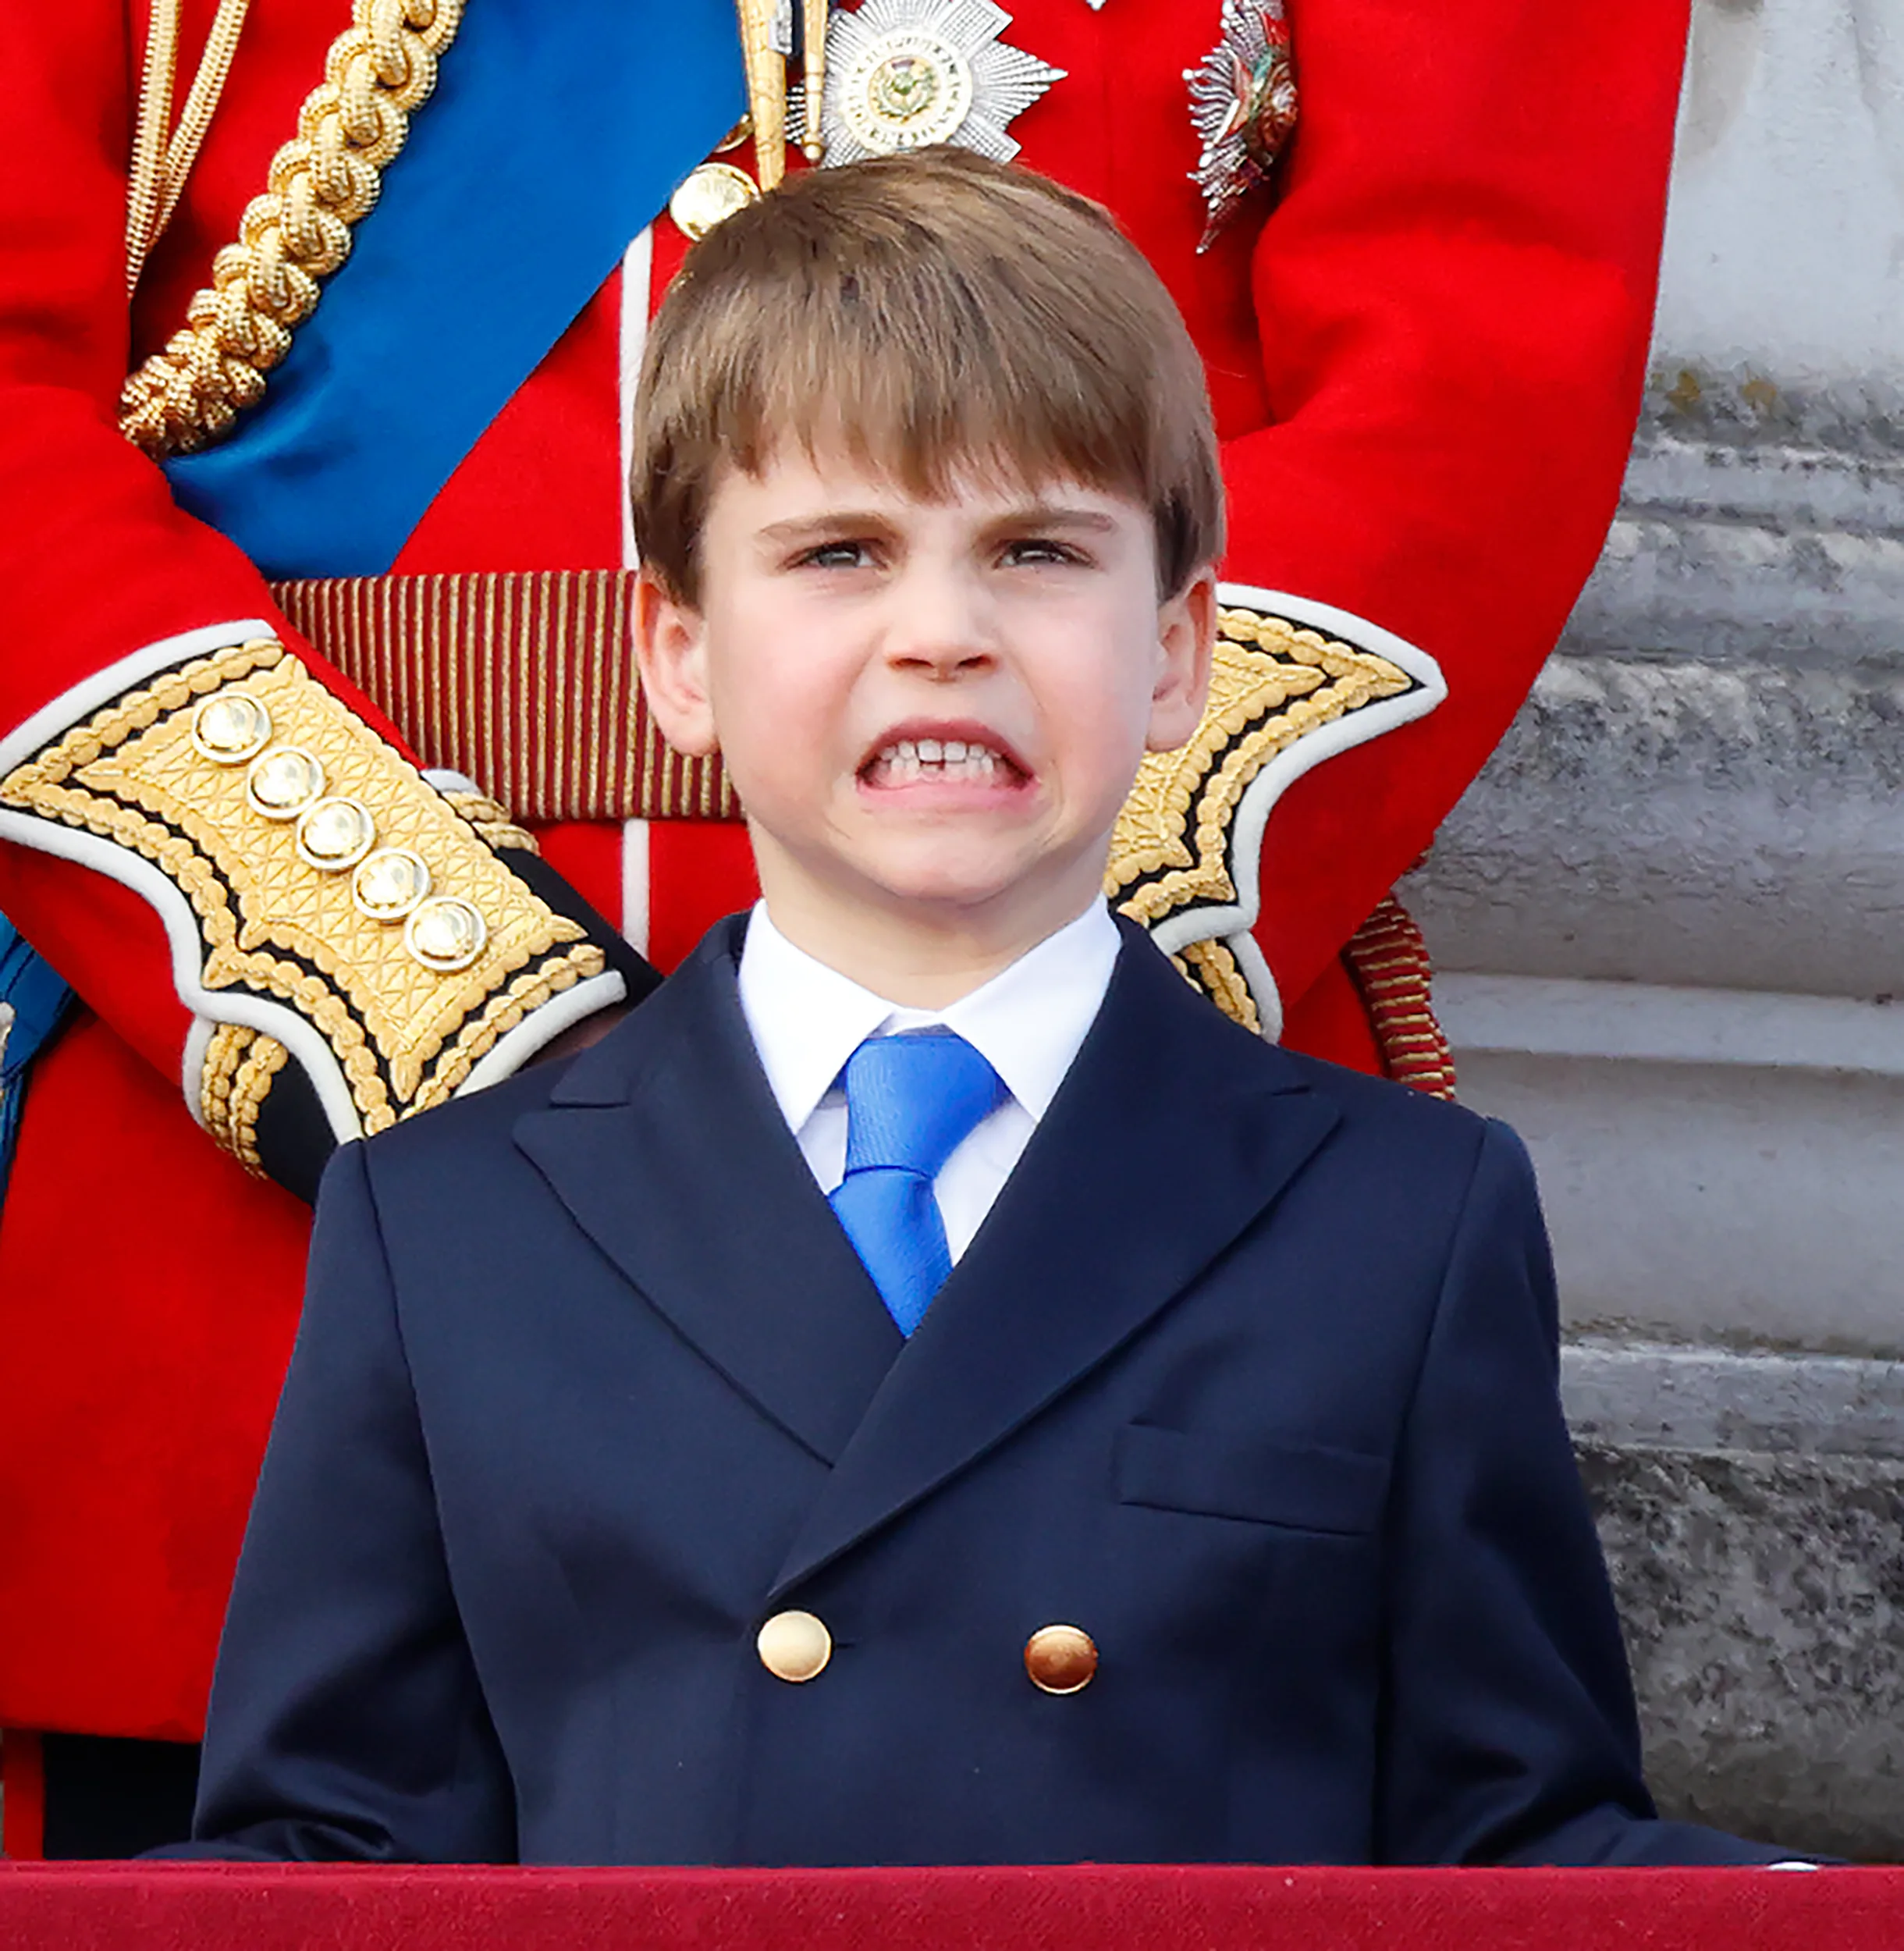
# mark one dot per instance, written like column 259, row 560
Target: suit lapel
column 664, row 1143
column 1171, row 1134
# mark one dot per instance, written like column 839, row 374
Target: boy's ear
column 1186, row 637
column 670, row 649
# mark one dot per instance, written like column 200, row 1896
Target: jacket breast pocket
column 1307, row 1489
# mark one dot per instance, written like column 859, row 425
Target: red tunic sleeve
column 1454, row 297
column 171, row 906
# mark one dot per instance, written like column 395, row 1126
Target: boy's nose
column 940, row 625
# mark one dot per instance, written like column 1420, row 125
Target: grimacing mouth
column 971, row 756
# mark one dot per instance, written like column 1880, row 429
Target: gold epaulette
column 1288, row 688
column 340, row 909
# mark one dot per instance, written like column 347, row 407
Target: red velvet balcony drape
column 196, row 1907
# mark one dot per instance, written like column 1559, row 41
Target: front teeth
column 953, row 758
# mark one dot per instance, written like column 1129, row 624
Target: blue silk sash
column 558, row 130
column 38, row 1001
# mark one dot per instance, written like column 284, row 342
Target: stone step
column 1752, row 1508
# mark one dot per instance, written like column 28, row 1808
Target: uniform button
column 1060, row 1659
column 446, row 934
column 794, row 1646
column 709, row 197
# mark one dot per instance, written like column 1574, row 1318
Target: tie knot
column 912, row 1100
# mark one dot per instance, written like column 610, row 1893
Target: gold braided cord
column 208, row 90
column 146, row 185
column 379, row 72
column 160, row 166
column 263, row 1061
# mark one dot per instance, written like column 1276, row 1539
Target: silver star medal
column 1243, row 106
column 903, row 74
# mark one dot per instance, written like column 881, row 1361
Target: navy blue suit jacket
column 1250, row 1373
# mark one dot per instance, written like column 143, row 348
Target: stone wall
column 1669, row 919
column 1752, row 1506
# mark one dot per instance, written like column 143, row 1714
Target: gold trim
column 262, row 1062
column 1211, row 967
column 490, row 818
column 380, row 71
column 1272, row 682
column 239, row 1068
column 224, row 1053
column 404, row 1037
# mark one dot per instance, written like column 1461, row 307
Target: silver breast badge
column 1243, row 106
column 903, row 74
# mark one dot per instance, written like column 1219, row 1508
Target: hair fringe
column 935, row 315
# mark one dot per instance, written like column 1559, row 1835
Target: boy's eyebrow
column 1035, row 515
column 1044, row 514
column 830, row 521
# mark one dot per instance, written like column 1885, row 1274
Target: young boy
column 927, row 1387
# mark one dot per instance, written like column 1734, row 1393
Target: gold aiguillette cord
column 160, row 164
column 766, row 82
column 813, row 55
column 766, row 89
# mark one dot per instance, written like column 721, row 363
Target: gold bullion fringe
column 379, row 72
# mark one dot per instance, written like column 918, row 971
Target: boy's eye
column 836, row 555
column 1033, row 550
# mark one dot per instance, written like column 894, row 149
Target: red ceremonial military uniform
column 1426, row 354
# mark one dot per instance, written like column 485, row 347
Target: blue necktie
column 910, row 1101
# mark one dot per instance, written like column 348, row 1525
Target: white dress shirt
column 1027, row 1022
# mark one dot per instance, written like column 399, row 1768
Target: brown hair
column 931, row 311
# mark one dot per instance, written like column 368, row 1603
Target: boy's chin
column 936, row 894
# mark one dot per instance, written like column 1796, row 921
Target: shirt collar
column 1027, row 1022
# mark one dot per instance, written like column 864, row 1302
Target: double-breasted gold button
column 794, row 1646
column 1060, row 1659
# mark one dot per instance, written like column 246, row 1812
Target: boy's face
column 933, row 711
